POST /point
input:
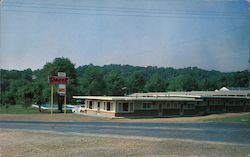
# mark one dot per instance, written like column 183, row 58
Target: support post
column 51, row 99
column 65, row 103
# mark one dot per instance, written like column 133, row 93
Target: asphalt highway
column 235, row 133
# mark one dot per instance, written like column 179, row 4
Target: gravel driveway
column 16, row 143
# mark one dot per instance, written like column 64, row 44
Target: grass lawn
column 240, row 118
column 18, row 109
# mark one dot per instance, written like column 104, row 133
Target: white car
column 78, row 109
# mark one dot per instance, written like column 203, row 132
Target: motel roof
column 135, row 98
column 198, row 94
column 173, row 96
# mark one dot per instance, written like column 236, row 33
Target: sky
column 209, row 34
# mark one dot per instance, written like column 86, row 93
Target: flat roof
column 132, row 98
column 198, row 94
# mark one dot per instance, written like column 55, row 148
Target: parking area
column 42, row 144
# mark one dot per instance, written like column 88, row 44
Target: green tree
column 136, row 82
column 183, row 82
column 37, row 89
column 241, row 79
column 115, row 84
column 224, row 81
column 156, row 84
column 26, row 95
column 60, row 65
column 8, row 98
column 93, row 82
column 208, row 85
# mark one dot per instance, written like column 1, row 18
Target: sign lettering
column 58, row 80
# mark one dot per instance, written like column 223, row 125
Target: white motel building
column 168, row 103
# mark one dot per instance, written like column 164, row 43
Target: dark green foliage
column 183, row 82
column 115, row 84
column 51, row 69
column 156, row 84
column 136, row 82
column 27, row 86
column 93, row 82
column 26, row 95
column 240, row 79
column 208, row 85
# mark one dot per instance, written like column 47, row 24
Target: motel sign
column 58, row 80
column 61, row 80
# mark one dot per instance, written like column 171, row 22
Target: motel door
column 160, row 109
column 182, row 108
column 98, row 107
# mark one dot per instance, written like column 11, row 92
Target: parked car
column 78, row 109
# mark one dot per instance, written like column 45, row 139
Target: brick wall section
column 247, row 108
column 201, row 108
column 167, row 112
column 217, row 108
column 139, row 113
column 234, row 108
column 190, row 112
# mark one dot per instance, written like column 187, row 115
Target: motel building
column 168, row 103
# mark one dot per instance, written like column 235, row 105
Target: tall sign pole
column 249, row 42
column 65, row 103
column 62, row 89
column 61, row 80
column 51, row 99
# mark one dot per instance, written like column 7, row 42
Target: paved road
column 235, row 133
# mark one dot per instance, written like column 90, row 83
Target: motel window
column 131, row 105
column 199, row 103
column 90, row 105
column 188, row 106
column 147, row 105
column 191, row 106
column 125, row 106
column 173, row 105
column 108, row 106
column 178, row 106
column 98, row 104
column 120, row 107
column 168, row 105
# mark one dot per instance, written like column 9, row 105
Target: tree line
column 27, row 86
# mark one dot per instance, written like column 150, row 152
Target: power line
column 111, row 14
column 111, row 10
column 122, row 11
column 125, row 8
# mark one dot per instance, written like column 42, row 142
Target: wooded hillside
column 27, row 86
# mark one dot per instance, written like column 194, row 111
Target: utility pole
column 249, row 43
column 1, row 5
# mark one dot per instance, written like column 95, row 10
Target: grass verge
column 240, row 118
column 19, row 109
